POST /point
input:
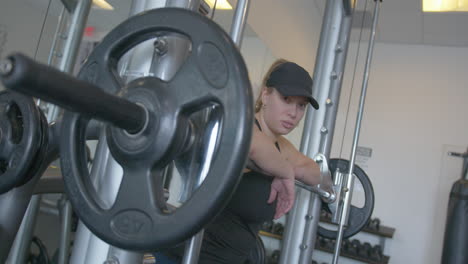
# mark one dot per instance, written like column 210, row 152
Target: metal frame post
column 302, row 221
column 192, row 248
column 20, row 249
column 350, row 176
column 239, row 21
column 72, row 43
column 13, row 205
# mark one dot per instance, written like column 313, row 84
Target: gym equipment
column 274, row 258
column 374, row 224
column 364, row 250
column 456, row 226
column 278, row 229
column 325, row 189
column 358, row 217
column 21, row 136
column 355, row 247
column 299, row 238
column 268, row 226
column 214, row 75
column 376, row 253
column 258, row 255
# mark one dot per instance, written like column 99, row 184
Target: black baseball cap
column 291, row 79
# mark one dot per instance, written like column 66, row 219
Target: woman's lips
column 287, row 124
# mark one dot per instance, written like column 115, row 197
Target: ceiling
column 403, row 22
column 400, row 21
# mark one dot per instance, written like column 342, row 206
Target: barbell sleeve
column 22, row 74
column 329, row 197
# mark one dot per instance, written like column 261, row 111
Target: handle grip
column 26, row 76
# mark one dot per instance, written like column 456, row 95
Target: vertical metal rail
column 70, row 52
column 58, row 29
column 350, row 176
column 192, row 248
column 239, row 21
column 302, row 221
column 21, row 245
column 72, row 44
column 65, row 229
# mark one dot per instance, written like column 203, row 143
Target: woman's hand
column 282, row 190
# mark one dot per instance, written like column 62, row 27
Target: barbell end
column 6, row 67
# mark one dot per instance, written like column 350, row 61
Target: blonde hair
column 274, row 66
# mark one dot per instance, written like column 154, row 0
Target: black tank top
column 233, row 233
column 250, row 201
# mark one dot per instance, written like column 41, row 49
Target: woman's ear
column 264, row 92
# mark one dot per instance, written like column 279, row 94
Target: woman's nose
column 292, row 111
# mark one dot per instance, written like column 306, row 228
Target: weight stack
column 456, row 227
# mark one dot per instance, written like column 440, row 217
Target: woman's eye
column 287, row 99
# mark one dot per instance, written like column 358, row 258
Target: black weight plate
column 258, row 254
column 37, row 166
column 358, row 216
column 214, row 73
column 20, row 138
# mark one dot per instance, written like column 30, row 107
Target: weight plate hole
column 16, row 120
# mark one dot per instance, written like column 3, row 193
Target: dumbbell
column 364, row 250
column 376, row 253
column 274, row 259
column 354, row 247
column 374, row 224
column 346, row 245
column 267, row 226
column 278, row 229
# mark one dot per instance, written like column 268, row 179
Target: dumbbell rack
column 384, row 232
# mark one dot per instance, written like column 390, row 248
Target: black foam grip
column 44, row 82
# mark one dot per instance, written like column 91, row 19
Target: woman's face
column 282, row 113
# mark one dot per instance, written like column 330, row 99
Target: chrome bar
column 315, row 189
column 350, row 179
column 302, row 221
column 192, row 248
column 58, row 29
column 123, row 256
column 239, row 21
column 13, row 205
column 20, row 249
column 65, row 230
column 72, row 44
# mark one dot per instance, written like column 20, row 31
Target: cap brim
column 284, row 90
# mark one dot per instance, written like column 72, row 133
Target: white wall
column 23, row 22
column 414, row 114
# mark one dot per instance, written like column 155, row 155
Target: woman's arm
column 264, row 153
column 305, row 168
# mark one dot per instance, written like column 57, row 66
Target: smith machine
column 189, row 109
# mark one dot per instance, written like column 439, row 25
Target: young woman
column 266, row 190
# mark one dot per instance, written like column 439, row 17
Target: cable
column 214, row 9
column 42, row 30
column 354, row 74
